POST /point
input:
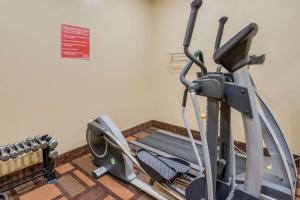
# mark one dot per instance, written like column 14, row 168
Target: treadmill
column 168, row 144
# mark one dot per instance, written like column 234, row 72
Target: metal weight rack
column 32, row 144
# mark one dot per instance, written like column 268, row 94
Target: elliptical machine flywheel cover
column 97, row 144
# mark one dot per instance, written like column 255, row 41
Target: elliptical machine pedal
column 167, row 168
column 155, row 167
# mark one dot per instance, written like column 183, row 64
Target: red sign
column 75, row 42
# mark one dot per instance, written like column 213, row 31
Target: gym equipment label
column 75, row 42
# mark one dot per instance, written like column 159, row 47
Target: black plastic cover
column 236, row 49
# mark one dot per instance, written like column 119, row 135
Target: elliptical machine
column 236, row 89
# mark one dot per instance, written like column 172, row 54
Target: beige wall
column 278, row 37
column 43, row 93
column 128, row 75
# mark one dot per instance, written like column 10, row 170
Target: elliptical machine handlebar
column 195, row 5
column 222, row 22
column 187, row 67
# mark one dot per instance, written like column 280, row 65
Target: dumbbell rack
column 45, row 143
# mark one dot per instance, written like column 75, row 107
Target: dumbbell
column 32, row 144
column 52, row 143
column 42, row 143
column 53, row 154
column 19, row 149
column 11, row 151
column 24, row 146
column 3, row 154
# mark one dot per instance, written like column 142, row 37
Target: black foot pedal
column 155, row 167
column 179, row 165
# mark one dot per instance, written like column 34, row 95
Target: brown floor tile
column 95, row 194
column 145, row 197
column 109, row 198
column 84, row 178
column 46, row 192
column 71, row 185
column 64, row 168
column 130, row 139
column 141, row 134
column 29, row 186
column 116, row 187
column 85, row 163
column 26, row 187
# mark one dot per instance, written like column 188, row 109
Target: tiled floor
column 75, row 182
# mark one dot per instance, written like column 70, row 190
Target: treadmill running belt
column 181, row 148
column 172, row 145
